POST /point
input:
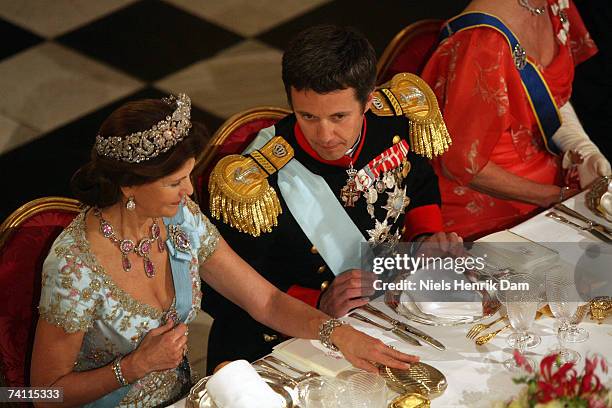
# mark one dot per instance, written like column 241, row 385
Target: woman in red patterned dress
column 498, row 170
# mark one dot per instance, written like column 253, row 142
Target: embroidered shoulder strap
column 542, row 103
column 239, row 189
column 408, row 95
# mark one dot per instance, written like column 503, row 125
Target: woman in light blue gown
column 122, row 281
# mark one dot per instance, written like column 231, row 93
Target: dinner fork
column 485, row 338
column 477, row 329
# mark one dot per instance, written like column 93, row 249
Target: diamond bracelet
column 325, row 331
column 118, row 374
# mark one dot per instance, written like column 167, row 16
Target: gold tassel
column 408, row 94
column 241, row 196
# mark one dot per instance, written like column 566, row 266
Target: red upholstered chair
column 409, row 50
column 25, row 238
column 231, row 138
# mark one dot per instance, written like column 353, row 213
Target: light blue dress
column 77, row 294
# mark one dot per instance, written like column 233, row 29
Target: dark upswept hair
column 327, row 58
column 98, row 182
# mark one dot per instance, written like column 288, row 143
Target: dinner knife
column 596, row 233
column 393, row 329
column 564, row 208
column 405, row 328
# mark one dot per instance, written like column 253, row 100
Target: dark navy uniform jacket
column 287, row 258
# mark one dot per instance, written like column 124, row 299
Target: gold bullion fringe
column 429, row 137
column 252, row 215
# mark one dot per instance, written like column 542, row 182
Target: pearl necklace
column 143, row 249
column 536, row 11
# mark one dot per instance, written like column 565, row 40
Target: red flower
column 522, row 362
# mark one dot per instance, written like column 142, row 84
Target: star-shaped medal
column 379, row 233
column 396, row 203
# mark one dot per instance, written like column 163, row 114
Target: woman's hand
column 362, row 350
column 161, row 349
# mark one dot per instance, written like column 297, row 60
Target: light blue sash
column 317, row 211
column 180, row 263
column 542, row 103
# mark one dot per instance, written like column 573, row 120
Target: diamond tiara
column 150, row 143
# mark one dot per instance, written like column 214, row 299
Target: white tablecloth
column 476, row 377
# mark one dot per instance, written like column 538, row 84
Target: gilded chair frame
column 398, row 42
column 34, row 207
column 23, row 213
column 226, row 129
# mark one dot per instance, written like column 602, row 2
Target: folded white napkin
column 311, row 355
column 237, row 385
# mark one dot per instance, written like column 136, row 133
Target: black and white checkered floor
column 66, row 64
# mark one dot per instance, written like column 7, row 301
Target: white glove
column 571, row 136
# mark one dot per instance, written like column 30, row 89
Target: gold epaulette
column 407, row 94
column 239, row 189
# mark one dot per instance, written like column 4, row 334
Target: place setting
column 274, row 383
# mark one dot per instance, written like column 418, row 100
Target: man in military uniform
column 344, row 171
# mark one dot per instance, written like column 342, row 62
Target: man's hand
column 442, row 243
column 347, row 291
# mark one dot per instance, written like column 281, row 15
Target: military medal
column 375, row 172
column 371, row 197
column 349, row 193
column 396, row 203
column 389, row 180
column 379, row 233
column 406, row 166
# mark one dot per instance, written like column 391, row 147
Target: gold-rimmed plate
column 420, row 378
column 198, row 396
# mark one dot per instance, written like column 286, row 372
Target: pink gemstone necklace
column 143, row 249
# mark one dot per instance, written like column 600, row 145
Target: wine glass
column 521, row 296
column 577, row 334
column 533, row 340
column 367, row 390
column 320, row 392
column 562, row 299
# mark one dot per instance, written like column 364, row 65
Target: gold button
column 269, row 337
column 324, row 285
column 396, row 139
column 314, row 250
column 403, row 229
column 321, row 269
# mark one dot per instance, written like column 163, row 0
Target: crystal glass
column 321, row 392
column 537, row 283
column 366, row 390
column 522, row 299
column 577, row 334
column 564, row 301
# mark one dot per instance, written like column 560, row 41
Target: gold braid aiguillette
column 240, row 194
column 407, row 94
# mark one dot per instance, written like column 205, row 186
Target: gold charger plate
column 198, row 396
column 420, row 378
